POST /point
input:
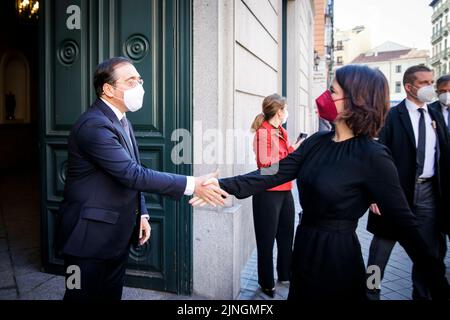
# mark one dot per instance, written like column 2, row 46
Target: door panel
column 143, row 31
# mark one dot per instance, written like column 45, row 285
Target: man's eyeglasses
column 131, row 83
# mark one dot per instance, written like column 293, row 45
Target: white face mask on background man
column 444, row 98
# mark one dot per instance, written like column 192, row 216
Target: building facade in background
column 323, row 45
column 440, row 54
column 348, row 44
column 393, row 59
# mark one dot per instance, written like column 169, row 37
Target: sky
column 407, row 22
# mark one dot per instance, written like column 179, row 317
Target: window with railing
column 339, row 61
column 339, row 45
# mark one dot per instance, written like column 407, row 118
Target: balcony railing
column 437, row 57
column 437, row 36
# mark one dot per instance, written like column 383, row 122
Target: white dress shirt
column 430, row 142
column 190, row 181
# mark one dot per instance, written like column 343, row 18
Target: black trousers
column 273, row 217
column 381, row 248
column 100, row 279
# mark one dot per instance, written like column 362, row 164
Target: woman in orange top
column 273, row 209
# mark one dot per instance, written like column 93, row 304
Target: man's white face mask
column 426, row 94
column 133, row 98
column 444, row 98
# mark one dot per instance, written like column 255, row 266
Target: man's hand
column 145, row 231
column 197, row 201
column 207, row 191
column 374, row 208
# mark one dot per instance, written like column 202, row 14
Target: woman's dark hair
column 270, row 107
column 367, row 98
column 105, row 73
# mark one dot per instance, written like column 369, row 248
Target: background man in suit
column 441, row 108
column 103, row 210
column 411, row 134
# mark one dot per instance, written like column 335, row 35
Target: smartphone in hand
column 301, row 136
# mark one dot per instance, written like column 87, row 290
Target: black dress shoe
column 268, row 292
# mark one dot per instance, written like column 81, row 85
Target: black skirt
column 327, row 262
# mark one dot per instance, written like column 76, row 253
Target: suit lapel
column 406, row 122
column 116, row 123
column 436, row 111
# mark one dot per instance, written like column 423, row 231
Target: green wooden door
column 75, row 36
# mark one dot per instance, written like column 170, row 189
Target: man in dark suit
column 442, row 110
column 412, row 134
column 103, row 211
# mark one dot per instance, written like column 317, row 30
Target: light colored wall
column 216, row 232
column 257, row 74
column 237, row 61
column 300, row 62
column 257, row 54
column 354, row 44
column 236, row 64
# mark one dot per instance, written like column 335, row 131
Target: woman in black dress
column 339, row 174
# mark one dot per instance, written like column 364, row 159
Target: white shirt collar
column 411, row 106
column 116, row 111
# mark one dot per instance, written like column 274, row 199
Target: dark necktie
column 448, row 118
column 126, row 127
column 421, row 143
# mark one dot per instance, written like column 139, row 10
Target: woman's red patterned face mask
column 327, row 106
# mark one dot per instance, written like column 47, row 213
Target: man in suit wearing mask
column 415, row 142
column 442, row 110
column 103, row 211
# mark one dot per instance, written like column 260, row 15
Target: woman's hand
column 208, row 190
column 297, row 144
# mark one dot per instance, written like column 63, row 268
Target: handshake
column 208, row 191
